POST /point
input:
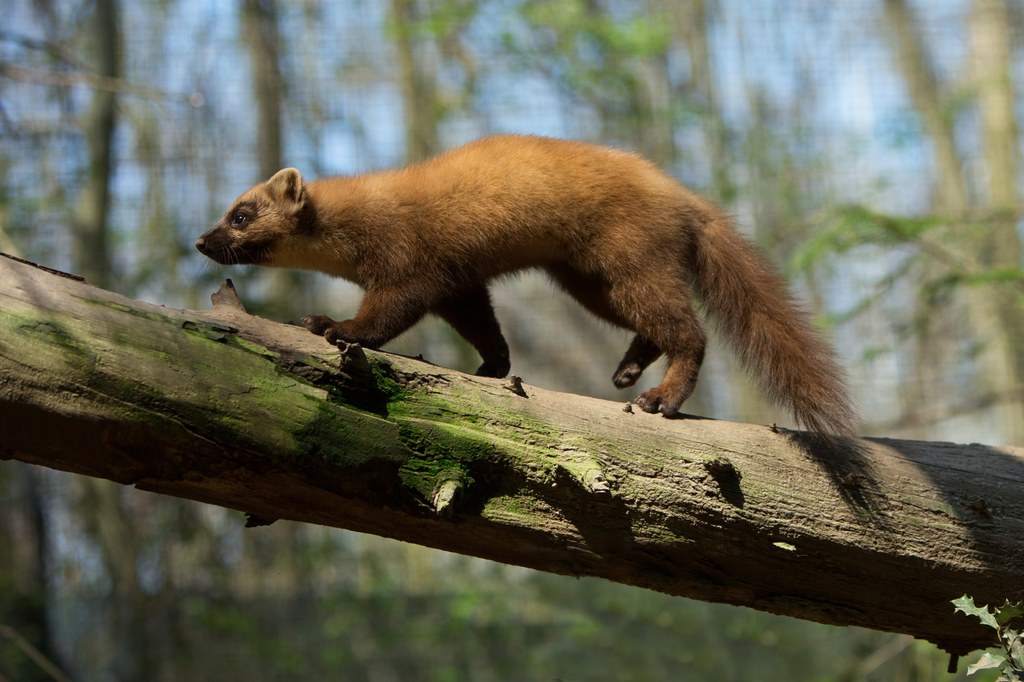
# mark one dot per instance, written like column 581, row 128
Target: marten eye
column 239, row 219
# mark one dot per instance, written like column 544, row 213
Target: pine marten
column 629, row 243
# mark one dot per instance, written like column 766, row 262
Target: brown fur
column 628, row 242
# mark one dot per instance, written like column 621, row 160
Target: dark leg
column 641, row 353
column 593, row 293
column 663, row 318
column 590, row 291
column 676, row 386
column 472, row 316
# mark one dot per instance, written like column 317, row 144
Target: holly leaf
column 1015, row 647
column 1009, row 612
column 966, row 606
column 1010, row 675
column 987, row 661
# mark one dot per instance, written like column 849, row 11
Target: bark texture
column 230, row 409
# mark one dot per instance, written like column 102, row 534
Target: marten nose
column 201, row 243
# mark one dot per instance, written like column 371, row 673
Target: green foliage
column 443, row 19
column 1007, row 620
column 591, row 53
column 853, row 226
column 933, row 239
column 633, row 36
column 1013, row 276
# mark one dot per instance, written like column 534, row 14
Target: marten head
column 261, row 223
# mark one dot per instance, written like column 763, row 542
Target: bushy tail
column 749, row 301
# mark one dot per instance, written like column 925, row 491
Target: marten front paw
column 333, row 332
column 498, row 369
column 337, row 333
column 318, row 324
column 654, row 400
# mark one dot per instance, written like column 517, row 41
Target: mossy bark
column 230, row 409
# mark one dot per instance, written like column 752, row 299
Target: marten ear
column 286, row 189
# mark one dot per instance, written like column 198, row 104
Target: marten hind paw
column 654, row 400
column 627, row 374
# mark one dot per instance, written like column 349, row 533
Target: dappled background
column 871, row 148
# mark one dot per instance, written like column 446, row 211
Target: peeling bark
column 225, row 408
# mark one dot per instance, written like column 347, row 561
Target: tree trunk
column 997, row 319
column 92, row 246
column 25, row 568
column 926, row 96
column 422, row 106
column 950, row 197
column 262, row 37
column 997, row 247
column 261, row 34
column 222, row 407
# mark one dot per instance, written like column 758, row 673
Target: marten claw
column 651, row 401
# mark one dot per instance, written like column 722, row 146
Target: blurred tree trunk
column 995, row 316
column 261, row 35
column 656, row 97
column 91, row 237
column 693, row 23
column 950, row 198
column 420, row 98
column 926, row 97
column 94, row 261
column 643, row 115
column 997, row 310
column 113, row 531
column 25, row 571
column 991, row 43
column 157, row 240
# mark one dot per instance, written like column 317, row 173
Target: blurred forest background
column 871, row 147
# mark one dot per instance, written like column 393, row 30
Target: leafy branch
column 1006, row 620
column 856, row 226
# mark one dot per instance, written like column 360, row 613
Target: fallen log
column 227, row 408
